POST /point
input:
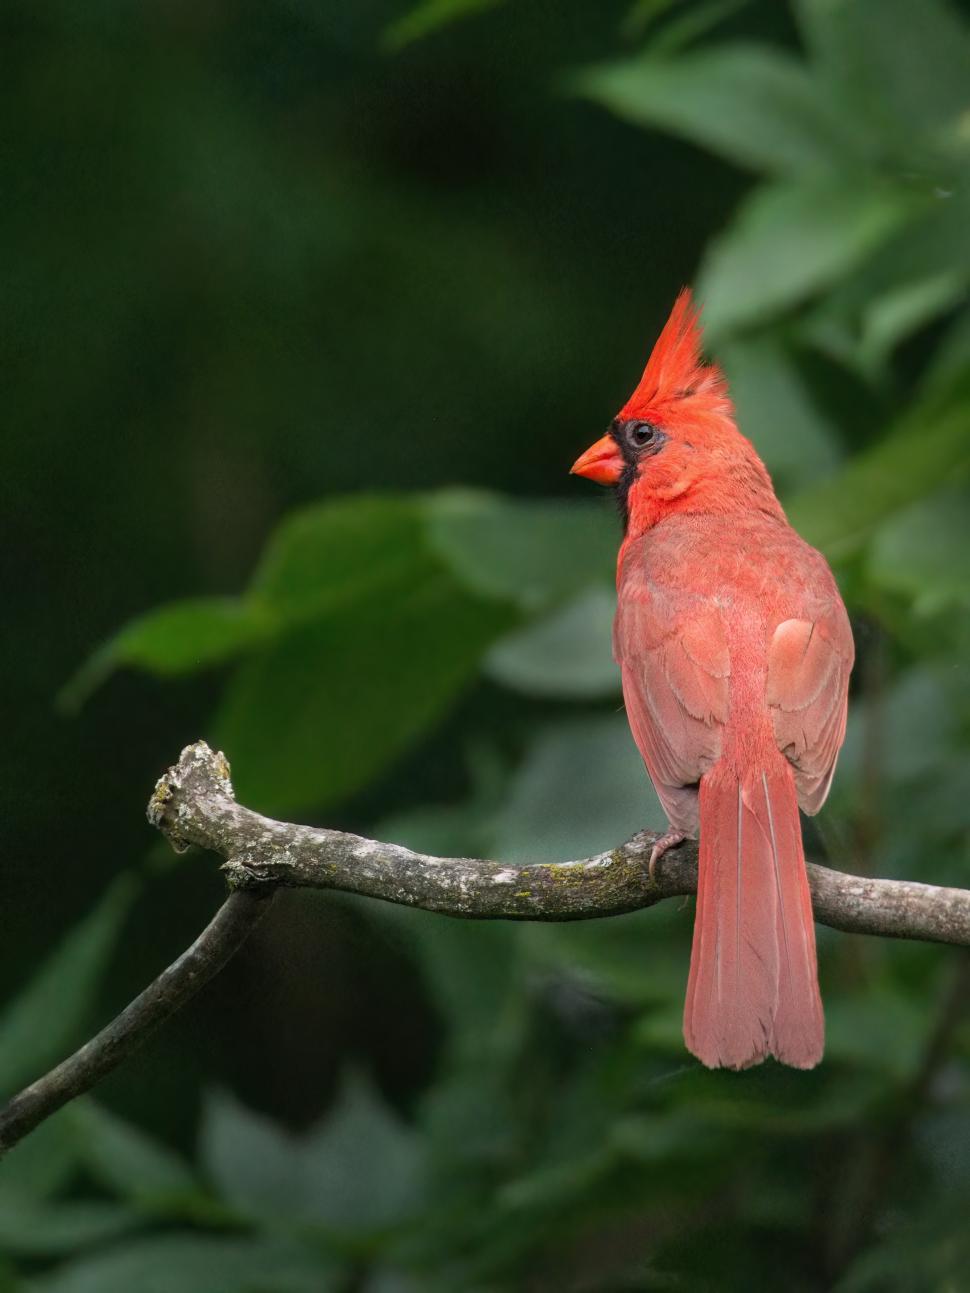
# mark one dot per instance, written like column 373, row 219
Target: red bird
column 735, row 652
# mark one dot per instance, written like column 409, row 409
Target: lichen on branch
column 194, row 803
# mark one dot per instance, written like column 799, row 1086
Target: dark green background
column 259, row 256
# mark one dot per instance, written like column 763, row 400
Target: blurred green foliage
column 261, row 257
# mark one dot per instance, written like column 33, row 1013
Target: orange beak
column 601, row 462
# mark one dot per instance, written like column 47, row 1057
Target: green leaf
column 535, row 553
column 643, row 14
column 916, row 716
column 902, row 69
column 461, row 829
column 927, row 1248
column 919, row 273
column 43, row 1162
column 172, row 640
column 340, row 551
column 361, row 1169
column 950, row 359
column 327, row 707
column 790, row 240
column 693, row 23
column 126, row 1160
column 188, row 1263
column 661, row 1030
column 471, row 970
column 556, row 1185
column 44, row 1230
column 769, row 1104
column 929, row 447
column 365, row 1168
column 581, row 788
column 42, row 1022
column 896, row 314
column 256, row 1165
column 608, row 956
column 666, row 1138
column 776, row 412
column 753, row 105
column 919, row 715
column 881, row 1030
column 567, row 654
column 318, row 561
column 922, row 552
column 430, row 16
column 364, row 619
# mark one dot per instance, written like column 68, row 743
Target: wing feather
column 676, row 669
column 809, row 661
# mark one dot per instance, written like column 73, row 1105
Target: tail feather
column 753, row 986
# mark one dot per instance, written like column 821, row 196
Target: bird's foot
column 667, row 841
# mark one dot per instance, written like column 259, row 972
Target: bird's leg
column 669, row 840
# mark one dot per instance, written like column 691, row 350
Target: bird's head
column 674, row 446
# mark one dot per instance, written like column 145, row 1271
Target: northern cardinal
column 735, row 651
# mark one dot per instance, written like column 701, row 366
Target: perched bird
column 735, row 651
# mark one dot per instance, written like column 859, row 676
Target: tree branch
column 194, row 804
column 222, row 937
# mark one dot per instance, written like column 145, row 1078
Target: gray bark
column 194, row 803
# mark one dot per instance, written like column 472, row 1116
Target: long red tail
column 753, row 986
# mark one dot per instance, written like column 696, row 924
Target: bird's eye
column 640, row 434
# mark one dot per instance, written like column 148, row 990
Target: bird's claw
column 667, row 841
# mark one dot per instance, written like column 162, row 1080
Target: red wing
column 675, row 667
column 809, row 661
